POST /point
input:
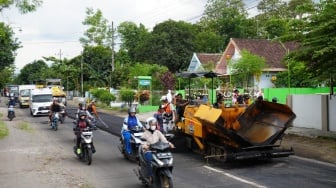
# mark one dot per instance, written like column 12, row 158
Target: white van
column 41, row 99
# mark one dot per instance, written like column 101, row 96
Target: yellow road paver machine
column 237, row 132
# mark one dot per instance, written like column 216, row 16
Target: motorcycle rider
column 151, row 136
column 81, row 124
column 92, row 109
column 54, row 107
column 11, row 103
column 130, row 121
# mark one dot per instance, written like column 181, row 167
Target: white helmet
column 151, row 122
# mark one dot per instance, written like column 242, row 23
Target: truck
column 25, row 95
column 57, row 90
column 41, row 100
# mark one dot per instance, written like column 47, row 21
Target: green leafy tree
column 228, row 18
column 103, row 96
column 8, row 46
column 24, row 6
column 127, row 95
column 171, row 45
column 133, row 39
column 7, row 76
column 37, row 70
column 319, row 42
column 99, row 32
column 97, row 61
column 246, row 67
column 208, row 41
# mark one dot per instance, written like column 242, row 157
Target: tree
column 97, row 63
column 99, row 32
column 24, row 6
column 228, row 18
column 208, row 41
column 319, row 42
column 247, row 66
column 133, row 39
column 8, row 46
column 37, row 70
column 7, row 76
column 171, row 45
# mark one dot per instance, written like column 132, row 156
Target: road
column 110, row 169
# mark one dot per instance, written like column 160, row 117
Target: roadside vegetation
column 3, row 128
column 167, row 48
column 25, row 127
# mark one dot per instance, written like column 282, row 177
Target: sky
column 54, row 28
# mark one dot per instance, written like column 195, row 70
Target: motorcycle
column 11, row 112
column 136, row 133
column 54, row 120
column 86, row 146
column 62, row 115
column 161, row 165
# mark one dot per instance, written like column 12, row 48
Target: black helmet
column 274, row 99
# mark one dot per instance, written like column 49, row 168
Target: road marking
column 314, row 161
column 235, row 177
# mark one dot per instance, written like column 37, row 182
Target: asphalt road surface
column 110, row 169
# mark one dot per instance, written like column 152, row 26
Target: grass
column 3, row 128
column 25, row 126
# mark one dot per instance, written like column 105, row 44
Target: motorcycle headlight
column 158, row 161
column 170, row 161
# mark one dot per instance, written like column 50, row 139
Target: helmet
column 274, row 99
column 151, row 121
column 11, row 98
column 82, row 114
column 132, row 110
column 163, row 98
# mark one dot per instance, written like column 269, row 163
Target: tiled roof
column 273, row 52
column 206, row 58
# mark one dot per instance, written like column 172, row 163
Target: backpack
column 82, row 124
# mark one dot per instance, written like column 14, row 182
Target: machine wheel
column 219, row 153
column 88, row 156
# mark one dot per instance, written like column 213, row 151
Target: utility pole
column 112, row 58
column 60, row 55
column 82, row 75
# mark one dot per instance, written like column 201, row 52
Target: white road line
column 235, row 177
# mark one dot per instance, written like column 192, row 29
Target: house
column 273, row 52
column 200, row 61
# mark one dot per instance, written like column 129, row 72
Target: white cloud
column 57, row 25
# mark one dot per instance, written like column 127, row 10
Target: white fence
column 314, row 111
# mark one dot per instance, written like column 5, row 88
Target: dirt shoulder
column 28, row 159
column 318, row 148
